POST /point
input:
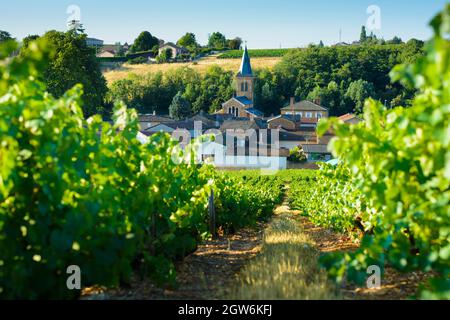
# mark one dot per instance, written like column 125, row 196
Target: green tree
column 234, row 44
column 358, row 92
column 395, row 40
column 73, row 63
column 5, row 36
column 331, row 97
column 363, row 36
column 188, row 41
column 217, row 40
column 144, row 42
column 297, row 155
column 28, row 39
column 76, row 27
column 321, row 45
column 165, row 56
column 180, row 108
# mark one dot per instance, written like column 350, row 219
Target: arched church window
column 246, row 86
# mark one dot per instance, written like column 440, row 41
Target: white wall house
column 216, row 154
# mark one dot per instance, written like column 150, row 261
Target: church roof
column 246, row 68
column 244, row 100
column 255, row 112
column 296, row 118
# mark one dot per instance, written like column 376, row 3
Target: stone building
column 309, row 112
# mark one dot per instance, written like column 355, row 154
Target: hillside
column 201, row 66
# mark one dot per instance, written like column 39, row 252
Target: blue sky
column 263, row 23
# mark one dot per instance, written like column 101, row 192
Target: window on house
column 309, row 115
column 319, row 115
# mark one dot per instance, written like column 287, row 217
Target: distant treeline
column 342, row 77
column 256, row 53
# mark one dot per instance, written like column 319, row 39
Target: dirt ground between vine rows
column 210, row 272
column 206, row 274
column 394, row 285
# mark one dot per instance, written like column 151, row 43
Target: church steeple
column 246, row 67
column 245, row 80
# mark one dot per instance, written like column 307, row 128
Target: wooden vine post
column 212, row 215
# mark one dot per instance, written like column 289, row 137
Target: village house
column 106, row 54
column 176, row 50
column 149, row 120
column 309, row 113
column 350, row 118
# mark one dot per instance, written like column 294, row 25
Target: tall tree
column 234, row 44
column 75, row 26
column 74, row 62
column 180, row 108
column 395, row 40
column 358, row 92
column 363, row 36
column 28, row 39
column 217, row 40
column 4, row 36
column 188, row 41
column 144, row 42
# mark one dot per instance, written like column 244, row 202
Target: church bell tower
column 245, row 80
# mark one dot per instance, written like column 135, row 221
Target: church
column 242, row 104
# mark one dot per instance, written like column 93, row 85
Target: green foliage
column 297, row 155
column 5, row 36
column 363, row 36
column 138, row 54
column 217, row 40
column 154, row 92
column 111, row 59
column 28, row 39
column 188, row 41
column 180, row 108
column 234, row 44
column 164, row 56
column 88, row 193
column 393, row 183
column 144, row 42
column 310, row 71
column 138, row 60
column 359, row 91
column 73, row 63
column 245, row 197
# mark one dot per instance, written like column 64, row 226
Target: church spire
column 246, row 68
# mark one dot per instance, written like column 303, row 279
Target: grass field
column 201, row 66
